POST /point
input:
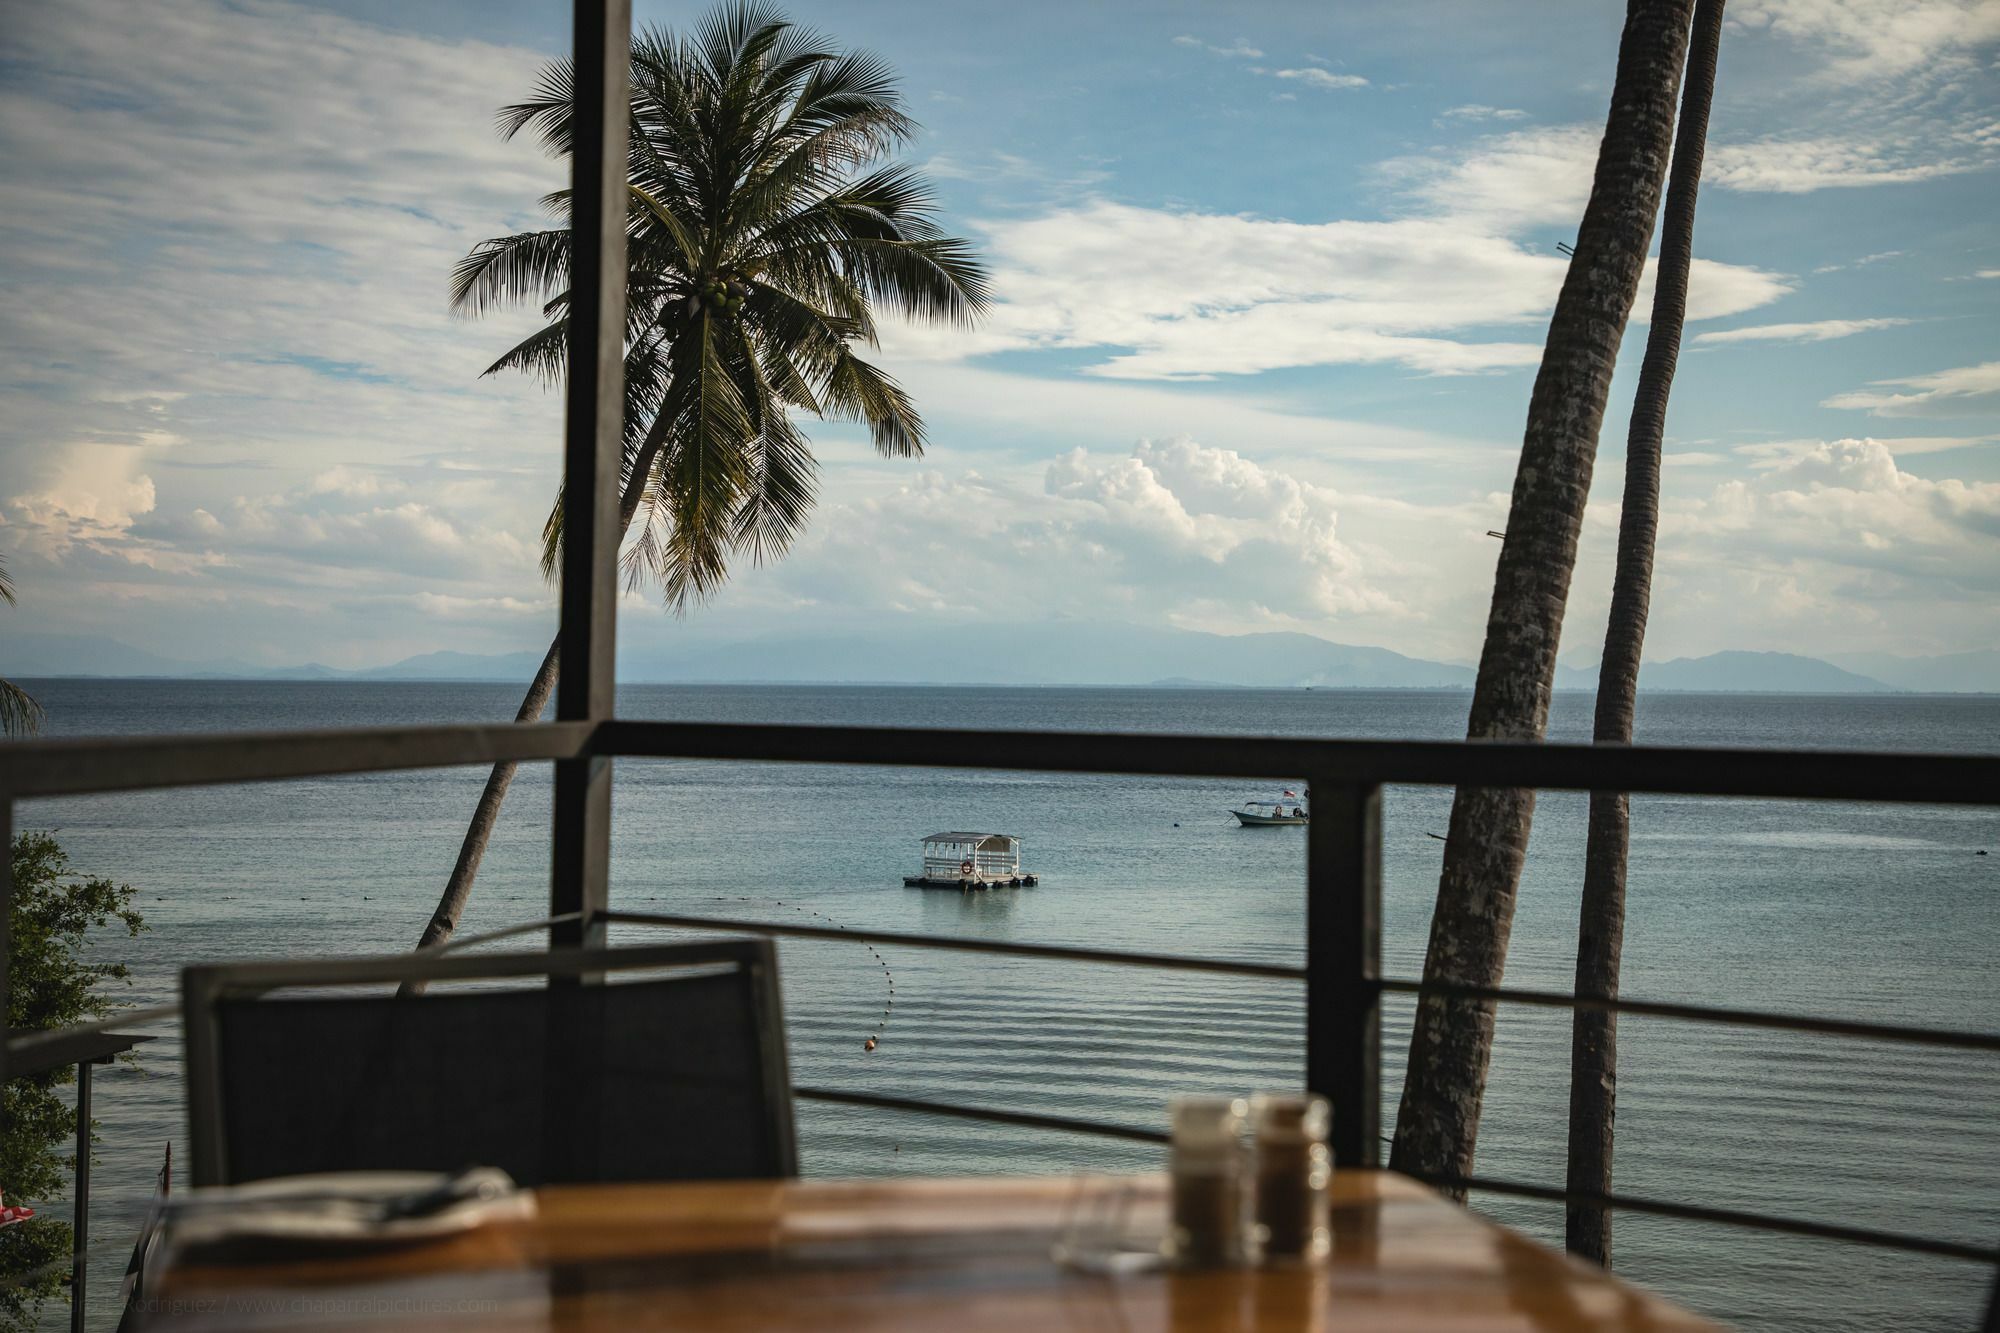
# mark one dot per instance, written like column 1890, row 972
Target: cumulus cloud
column 1826, row 546
column 1848, row 502
column 1941, row 391
column 1817, row 331
column 1167, row 531
column 87, row 492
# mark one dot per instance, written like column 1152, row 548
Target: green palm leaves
column 765, row 228
column 20, row 715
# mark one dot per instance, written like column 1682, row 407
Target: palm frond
column 861, row 392
column 505, row 270
column 20, row 715
column 548, row 111
column 765, row 228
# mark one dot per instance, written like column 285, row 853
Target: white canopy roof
column 1004, row 840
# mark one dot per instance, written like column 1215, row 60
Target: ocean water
column 1872, row 912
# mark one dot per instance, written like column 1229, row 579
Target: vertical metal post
column 592, row 451
column 1343, row 964
column 79, row 1231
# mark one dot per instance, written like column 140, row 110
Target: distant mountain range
column 1050, row 653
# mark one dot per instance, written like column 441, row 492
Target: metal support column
column 592, row 452
column 79, row 1229
column 1343, row 965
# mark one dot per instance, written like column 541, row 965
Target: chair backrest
column 587, row 1078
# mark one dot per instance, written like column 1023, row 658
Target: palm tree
column 1593, row 1059
column 1452, row 1038
column 765, row 226
column 20, row 715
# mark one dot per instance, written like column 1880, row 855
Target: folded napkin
column 347, row 1207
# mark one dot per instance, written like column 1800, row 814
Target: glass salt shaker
column 1293, row 1217
column 1206, row 1228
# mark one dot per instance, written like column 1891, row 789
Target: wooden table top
column 963, row 1256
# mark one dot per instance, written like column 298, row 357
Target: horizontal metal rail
column 1702, row 1013
column 1026, row 1119
column 1696, row 1013
column 68, row 767
column 52, row 1046
column 457, row 942
column 123, row 763
column 1930, row 779
column 1169, row 962
column 1793, row 1226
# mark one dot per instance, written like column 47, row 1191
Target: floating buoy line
column 874, row 1038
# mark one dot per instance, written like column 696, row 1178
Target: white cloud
column 1507, row 182
column 1166, row 531
column 1776, row 453
column 1817, row 331
column 87, row 492
column 1538, row 176
column 1314, row 77
column 1962, row 387
column 229, row 228
column 1827, row 546
column 1879, row 39
column 1475, row 111
column 1192, row 296
column 1862, row 262
column 1847, row 502
column 1988, row 273
column 1800, row 166
column 1240, row 49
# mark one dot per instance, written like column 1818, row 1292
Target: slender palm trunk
column 1593, row 1058
column 1452, row 1039
column 485, row 815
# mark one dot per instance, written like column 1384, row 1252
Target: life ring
column 965, row 867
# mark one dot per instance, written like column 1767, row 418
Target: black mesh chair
column 590, row 1077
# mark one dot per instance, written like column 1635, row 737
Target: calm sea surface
column 1873, row 912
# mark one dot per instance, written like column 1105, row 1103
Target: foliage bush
column 52, row 918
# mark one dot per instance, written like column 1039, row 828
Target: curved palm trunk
column 1593, row 1058
column 485, row 815
column 1452, row 1039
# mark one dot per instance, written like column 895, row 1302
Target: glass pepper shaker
column 1206, row 1228
column 1294, row 1177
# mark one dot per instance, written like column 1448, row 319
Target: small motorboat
column 1270, row 814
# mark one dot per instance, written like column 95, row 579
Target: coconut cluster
column 723, row 294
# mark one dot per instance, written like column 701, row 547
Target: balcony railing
column 1341, row 975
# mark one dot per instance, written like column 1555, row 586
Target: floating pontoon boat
column 971, row 861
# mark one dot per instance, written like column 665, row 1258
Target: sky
column 1272, row 284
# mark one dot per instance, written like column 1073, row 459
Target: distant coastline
column 1056, row 654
